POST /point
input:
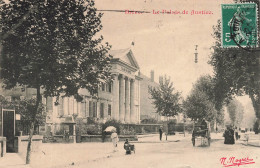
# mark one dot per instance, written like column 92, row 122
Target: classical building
column 118, row 100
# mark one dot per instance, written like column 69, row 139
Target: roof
column 126, row 56
column 146, row 78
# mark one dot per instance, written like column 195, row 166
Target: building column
column 132, row 101
column 122, row 98
column 127, row 100
column 115, row 108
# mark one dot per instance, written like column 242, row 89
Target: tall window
column 90, row 109
column 94, row 109
column 103, row 87
column 109, row 110
column 83, row 109
column 110, row 87
column 101, row 110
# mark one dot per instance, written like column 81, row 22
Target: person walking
column 114, row 138
column 229, row 136
column 160, row 132
column 236, row 133
column 232, row 133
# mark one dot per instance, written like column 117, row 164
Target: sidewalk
column 51, row 155
column 58, row 155
column 12, row 160
column 253, row 139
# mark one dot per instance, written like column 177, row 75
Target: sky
column 166, row 43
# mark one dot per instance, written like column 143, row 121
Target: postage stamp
column 239, row 25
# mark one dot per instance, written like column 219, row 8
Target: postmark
column 239, row 25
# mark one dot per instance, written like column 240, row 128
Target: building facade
column 119, row 100
column 148, row 110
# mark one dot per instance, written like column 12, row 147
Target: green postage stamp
column 239, row 25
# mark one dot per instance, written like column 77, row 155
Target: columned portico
column 126, row 102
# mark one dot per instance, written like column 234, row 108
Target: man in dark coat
column 204, row 126
column 160, row 132
column 229, row 136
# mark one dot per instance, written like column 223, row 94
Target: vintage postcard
column 129, row 83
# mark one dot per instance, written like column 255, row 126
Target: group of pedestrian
column 127, row 146
column 230, row 134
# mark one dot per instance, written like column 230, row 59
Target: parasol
column 110, row 129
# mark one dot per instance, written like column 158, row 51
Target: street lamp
column 196, row 54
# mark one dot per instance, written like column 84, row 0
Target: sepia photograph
column 129, row 83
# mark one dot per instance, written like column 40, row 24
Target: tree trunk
column 38, row 100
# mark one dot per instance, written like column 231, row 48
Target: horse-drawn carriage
column 201, row 132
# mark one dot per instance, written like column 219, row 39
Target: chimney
column 152, row 75
column 161, row 79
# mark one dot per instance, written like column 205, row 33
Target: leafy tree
column 200, row 103
column 52, row 46
column 237, row 72
column 197, row 106
column 166, row 99
column 235, row 111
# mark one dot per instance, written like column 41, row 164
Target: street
column 177, row 152
column 180, row 155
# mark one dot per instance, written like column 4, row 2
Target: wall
column 21, row 143
column 2, row 146
column 147, row 109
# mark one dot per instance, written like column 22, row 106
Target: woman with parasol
column 114, row 136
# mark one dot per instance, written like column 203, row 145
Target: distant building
column 147, row 110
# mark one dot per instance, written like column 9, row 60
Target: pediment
column 125, row 56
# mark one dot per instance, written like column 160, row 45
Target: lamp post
column 196, row 54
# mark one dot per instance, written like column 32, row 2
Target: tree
column 166, row 99
column 200, row 103
column 235, row 110
column 237, row 71
column 54, row 50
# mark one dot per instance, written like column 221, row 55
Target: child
column 128, row 147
